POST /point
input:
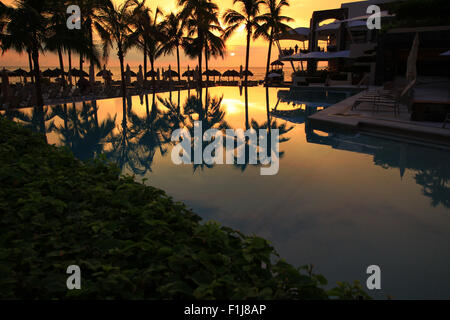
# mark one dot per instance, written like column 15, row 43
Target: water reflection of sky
column 341, row 202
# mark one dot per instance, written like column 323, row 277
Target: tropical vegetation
column 132, row 241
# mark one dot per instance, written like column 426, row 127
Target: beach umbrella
column 212, row 73
column 48, row 73
column 250, row 74
column 104, row 73
column 58, row 72
column 20, row 73
column 150, row 74
column 231, row 73
column 78, row 73
column 277, row 63
column 170, row 74
column 189, row 73
column 411, row 69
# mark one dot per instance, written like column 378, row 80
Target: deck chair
column 387, row 94
column 404, row 96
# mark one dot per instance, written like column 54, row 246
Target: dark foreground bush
column 131, row 241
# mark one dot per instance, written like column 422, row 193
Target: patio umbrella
column 150, row 74
column 48, row 73
column 231, row 73
column 20, row 73
column 170, row 74
column 104, row 72
column 277, row 63
column 58, row 72
column 411, row 70
column 78, row 73
column 188, row 74
column 212, row 73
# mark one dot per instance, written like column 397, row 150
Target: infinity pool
column 340, row 201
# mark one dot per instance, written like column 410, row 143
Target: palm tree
column 89, row 16
column 273, row 25
column 214, row 46
column 25, row 27
column 11, row 42
column 173, row 31
column 249, row 17
column 201, row 19
column 114, row 26
column 149, row 37
column 63, row 39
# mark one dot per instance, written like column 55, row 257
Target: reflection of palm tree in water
column 269, row 125
column 81, row 130
column 139, row 138
column 435, row 183
column 36, row 121
column 211, row 116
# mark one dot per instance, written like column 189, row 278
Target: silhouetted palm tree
column 273, row 24
column 149, row 37
column 173, row 32
column 25, row 27
column 114, row 26
column 201, row 20
column 249, row 16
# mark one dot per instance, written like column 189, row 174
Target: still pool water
column 340, row 201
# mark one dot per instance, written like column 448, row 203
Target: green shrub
column 131, row 241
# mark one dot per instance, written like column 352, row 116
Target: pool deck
column 383, row 123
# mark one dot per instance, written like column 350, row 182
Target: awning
column 299, row 34
column 318, row 55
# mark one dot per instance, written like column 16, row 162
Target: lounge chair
column 401, row 97
column 389, row 95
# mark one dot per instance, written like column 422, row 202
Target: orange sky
column 300, row 10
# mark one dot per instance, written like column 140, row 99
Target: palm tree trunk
column 61, row 62
column 178, row 62
column 37, row 74
column 145, row 62
column 247, row 57
column 122, row 73
column 81, row 62
column 152, row 64
column 200, row 70
column 206, row 65
column 269, row 55
column 70, row 66
column 30, row 63
column 247, row 122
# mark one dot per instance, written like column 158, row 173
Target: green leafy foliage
column 131, row 241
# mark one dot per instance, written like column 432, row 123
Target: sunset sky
column 300, row 10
